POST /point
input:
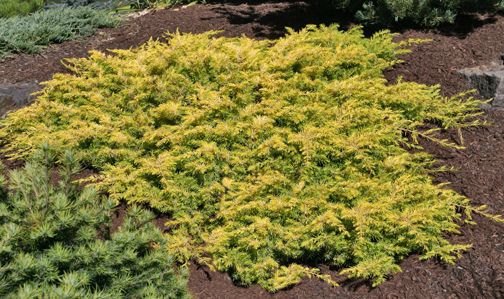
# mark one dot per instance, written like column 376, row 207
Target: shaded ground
column 260, row 21
column 479, row 169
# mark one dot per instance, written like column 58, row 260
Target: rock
column 15, row 96
column 489, row 81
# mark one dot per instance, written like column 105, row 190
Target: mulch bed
column 479, row 168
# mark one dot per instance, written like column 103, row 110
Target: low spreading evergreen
column 55, row 241
column 268, row 155
column 31, row 33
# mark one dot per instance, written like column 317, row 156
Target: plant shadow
column 270, row 18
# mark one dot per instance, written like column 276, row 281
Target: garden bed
column 478, row 174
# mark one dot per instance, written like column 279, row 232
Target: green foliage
column 266, row 154
column 55, row 242
column 142, row 4
column 29, row 34
column 10, row 8
column 426, row 13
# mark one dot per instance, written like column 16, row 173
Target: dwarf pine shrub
column 425, row 13
column 55, row 242
column 268, row 155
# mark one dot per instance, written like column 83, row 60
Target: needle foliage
column 31, row 33
column 423, row 13
column 10, row 8
column 268, row 155
column 55, row 241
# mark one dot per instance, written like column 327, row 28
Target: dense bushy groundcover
column 55, row 242
column 29, row 34
column 268, row 155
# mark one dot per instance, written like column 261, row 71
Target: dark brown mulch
column 266, row 20
column 480, row 167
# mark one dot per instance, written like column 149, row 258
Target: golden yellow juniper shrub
column 268, row 155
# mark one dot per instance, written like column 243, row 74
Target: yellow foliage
column 266, row 154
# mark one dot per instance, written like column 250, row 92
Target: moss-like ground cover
column 268, row 155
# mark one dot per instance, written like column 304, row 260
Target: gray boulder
column 488, row 81
column 15, row 96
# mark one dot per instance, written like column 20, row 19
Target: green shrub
column 426, row 13
column 123, row 4
column 142, row 4
column 29, row 34
column 266, row 154
column 10, row 8
column 49, row 245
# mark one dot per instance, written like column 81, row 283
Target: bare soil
column 479, row 169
